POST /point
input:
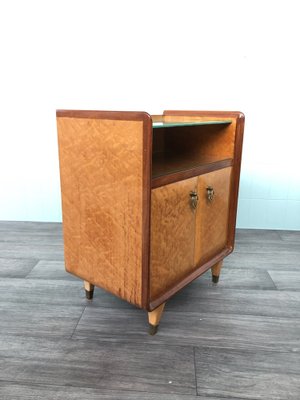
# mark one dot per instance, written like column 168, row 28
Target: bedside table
column 149, row 202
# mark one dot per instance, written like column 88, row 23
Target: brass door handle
column 194, row 199
column 210, row 193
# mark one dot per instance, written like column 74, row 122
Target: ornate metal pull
column 194, row 199
column 210, row 193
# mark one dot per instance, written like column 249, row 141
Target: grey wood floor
column 237, row 340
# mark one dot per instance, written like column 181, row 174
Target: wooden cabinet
column 149, row 202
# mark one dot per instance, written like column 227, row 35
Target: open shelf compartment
column 185, row 149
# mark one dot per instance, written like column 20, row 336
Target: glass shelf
column 156, row 124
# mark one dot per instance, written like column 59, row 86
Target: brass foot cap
column 89, row 294
column 153, row 329
column 215, row 279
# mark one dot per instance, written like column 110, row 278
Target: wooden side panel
column 211, row 234
column 172, row 235
column 102, row 166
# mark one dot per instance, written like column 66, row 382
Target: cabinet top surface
column 160, row 124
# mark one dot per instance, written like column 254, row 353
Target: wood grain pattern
column 172, row 235
column 240, row 123
column 195, row 273
column 212, row 216
column 155, row 315
column 107, row 226
column 42, row 250
column 16, row 268
column 212, row 140
column 261, row 375
column 286, row 280
column 31, row 391
column 237, row 295
column 88, row 286
column 194, row 328
column 99, row 365
column 109, row 115
column 103, row 194
column 170, row 170
column 38, row 320
column 216, row 269
column 240, row 278
column 205, row 115
column 157, row 118
column 51, row 269
column 233, row 137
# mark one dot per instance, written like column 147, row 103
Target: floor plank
column 192, row 328
column 263, row 247
column 216, row 299
column 38, row 320
column 30, row 236
column 49, row 269
column 55, row 292
column 290, row 236
column 118, row 366
column 257, row 235
column 239, row 278
column 270, row 260
column 32, row 250
column 245, row 374
column 286, row 280
column 31, row 226
column 12, row 391
column 16, row 268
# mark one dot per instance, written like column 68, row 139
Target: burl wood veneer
column 149, row 203
column 172, row 235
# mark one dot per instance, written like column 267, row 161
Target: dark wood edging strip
column 238, row 144
column 195, row 274
column 147, row 170
column 116, row 115
column 199, row 170
column 213, row 114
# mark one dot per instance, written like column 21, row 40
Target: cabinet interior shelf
column 160, row 124
column 170, row 167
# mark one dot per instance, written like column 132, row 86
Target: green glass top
column 175, row 124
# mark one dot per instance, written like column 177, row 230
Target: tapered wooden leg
column 89, row 290
column 154, row 318
column 215, row 271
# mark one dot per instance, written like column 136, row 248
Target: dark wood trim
column 188, row 279
column 189, row 173
column 213, row 114
column 239, row 134
column 147, row 170
column 115, row 115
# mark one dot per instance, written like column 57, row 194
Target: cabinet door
column 172, row 235
column 212, row 214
